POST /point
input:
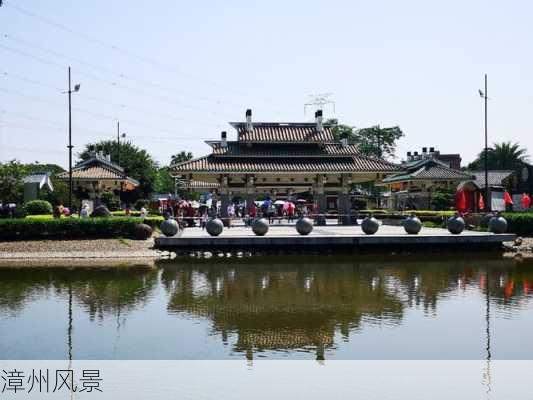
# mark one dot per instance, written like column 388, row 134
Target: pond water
column 417, row 307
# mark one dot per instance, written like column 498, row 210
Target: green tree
column 505, row 155
column 11, row 185
column 180, row 157
column 373, row 141
column 164, row 182
column 137, row 164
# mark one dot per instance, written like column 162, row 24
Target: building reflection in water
column 286, row 306
column 275, row 304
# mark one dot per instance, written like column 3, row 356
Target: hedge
column 72, row 228
column 37, row 207
column 520, row 223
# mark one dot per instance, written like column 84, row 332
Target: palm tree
column 504, row 155
column 180, row 157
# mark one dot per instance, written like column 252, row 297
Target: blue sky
column 175, row 72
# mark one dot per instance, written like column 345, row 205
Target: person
column 144, row 213
column 84, row 213
column 231, row 213
column 203, row 221
column 127, row 211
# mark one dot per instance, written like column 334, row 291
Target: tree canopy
column 12, row 185
column 180, row 157
column 504, row 155
column 374, row 141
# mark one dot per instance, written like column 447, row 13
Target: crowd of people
column 193, row 213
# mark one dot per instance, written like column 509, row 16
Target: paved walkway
column 328, row 230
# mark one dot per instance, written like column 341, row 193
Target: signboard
column 497, row 202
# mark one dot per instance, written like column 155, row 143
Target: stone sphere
column 260, row 226
column 169, row 227
column 455, row 224
column 370, row 225
column 142, row 232
column 498, row 224
column 214, row 227
column 412, row 225
column 304, row 226
column 484, row 222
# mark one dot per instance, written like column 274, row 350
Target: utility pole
column 487, row 190
column 118, row 142
column 70, row 91
column 69, row 143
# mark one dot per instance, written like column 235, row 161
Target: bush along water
column 73, row 228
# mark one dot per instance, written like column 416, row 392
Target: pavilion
column 283, row 161
column 98, row 175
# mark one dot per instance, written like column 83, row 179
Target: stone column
column 343, row 201
column 250, row 192
column 320, row 199
column 224, row 196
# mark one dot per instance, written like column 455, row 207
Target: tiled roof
column 239, row 149
column 496, row 178
column 97, row 169
column 212, row 164
column 282, row 132
column 429, row 170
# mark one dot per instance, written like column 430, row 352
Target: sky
column 174, row 73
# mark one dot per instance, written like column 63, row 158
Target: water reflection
column 258, row 307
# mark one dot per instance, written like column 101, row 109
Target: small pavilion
column 98, row 175
column 282, row 161
column 421, row 177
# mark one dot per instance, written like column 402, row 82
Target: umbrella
column 279, row 202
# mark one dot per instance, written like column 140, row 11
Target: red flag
column 481, row 202
column 507, row 198
column 526, row 201
column 460, row 200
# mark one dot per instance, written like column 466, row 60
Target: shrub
column 36, row 207
column 141, row 203
column 520, row 223
column 110, row 200
column 142, row 231
column 72, row 228
column 101, row 211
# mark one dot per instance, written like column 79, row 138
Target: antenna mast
column 318, row 101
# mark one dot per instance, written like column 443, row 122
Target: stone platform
column 332, row 238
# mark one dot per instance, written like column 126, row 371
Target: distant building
column 453, row 161
column 35, row 182
column 423, row 175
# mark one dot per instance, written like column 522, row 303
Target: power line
column 105, row 101
column 96, row 114
column 113, row 84
column 120, row 75
column 128, row 53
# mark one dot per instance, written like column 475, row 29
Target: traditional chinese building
column 98, row 175
column 422, row 175
column 282, row 160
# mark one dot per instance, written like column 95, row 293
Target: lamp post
column 70, row 91
column 483, row 95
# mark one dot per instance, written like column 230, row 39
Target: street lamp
column 483, row 95
column 119, row 135
column 70, row 91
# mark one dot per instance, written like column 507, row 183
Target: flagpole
column 487, row 200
